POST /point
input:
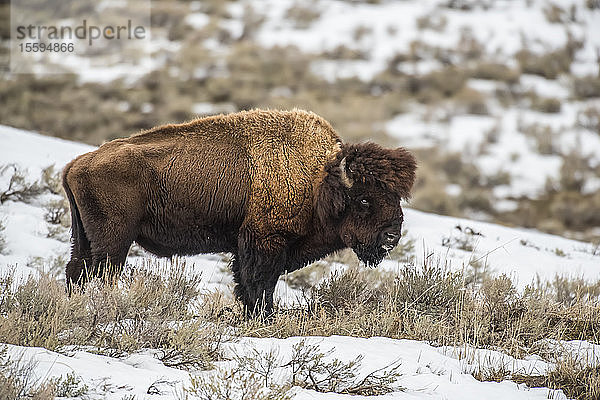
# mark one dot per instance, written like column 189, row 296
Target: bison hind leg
column 108, row 262
column 75, row 273
column 81, row 252
column 110, row 241
column 104, row 265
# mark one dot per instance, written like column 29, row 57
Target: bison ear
column 404, row 165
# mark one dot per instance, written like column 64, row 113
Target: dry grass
column 555, row 14
column 3, row 243
column 163, row 310
column 549, row 65
column 432, row 21
column 431, row 303
column 17, row 380
column 549, row 105
column 470, row 101
column 147, row 309
column 589, row 118
column 576, row 379
column 496, row 72
column 303, row 14
column 543, row 137
column 586, row 87
column 234, row 384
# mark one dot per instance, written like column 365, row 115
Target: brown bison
column 277, row 189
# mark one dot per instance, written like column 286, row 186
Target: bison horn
column 345, row 179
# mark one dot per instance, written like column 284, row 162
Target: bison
column 276, row 189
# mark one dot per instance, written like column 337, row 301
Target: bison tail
column 80, row 242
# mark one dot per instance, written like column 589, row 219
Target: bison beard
column 277, row 189
column 370, row 255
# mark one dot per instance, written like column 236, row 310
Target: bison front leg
column 256, row 269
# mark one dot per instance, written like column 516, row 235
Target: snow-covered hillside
column 425, row 36
column 502, row 96
column 502, row 29
column 426, row 372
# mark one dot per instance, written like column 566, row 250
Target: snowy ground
column 379, row 31
column 426, row 372
column 502, row 27
column 383, row 29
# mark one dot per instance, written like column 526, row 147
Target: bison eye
column 364, row 203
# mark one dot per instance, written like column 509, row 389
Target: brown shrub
column 447, row 82
column 476, row 200
column 495, row 71
column 542, row 135
column 589, row 118
column 592, row 4
column 468, row 46
column 343, row 52
column 575, row 377
column 545, row 104
column 435, row 22
column 470, row 101
column 586, row 87
column 302, row 15
column 548, row 65
column 146, row 310
column 170, row 16
column 555, row 14
column 575, row 211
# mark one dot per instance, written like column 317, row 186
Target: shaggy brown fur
column 277, row 189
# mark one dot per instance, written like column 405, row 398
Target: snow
column 392, row 26
column 197, row 20
column 33, row 150
column 514, row 151
column 380, row 31
column 388, row 28
column 522, row 254
column 502, row 27
column 426, row 372
column 544, row 87
column 106, row 377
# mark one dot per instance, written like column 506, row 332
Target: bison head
column 361, row 195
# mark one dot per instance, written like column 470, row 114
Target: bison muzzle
column 277, row 189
